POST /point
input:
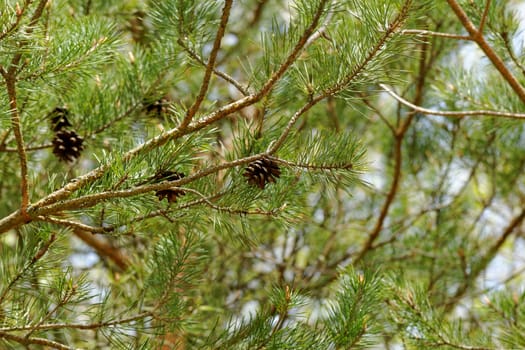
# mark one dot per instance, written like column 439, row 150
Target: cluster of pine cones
column 258, row 173
column 67, row 144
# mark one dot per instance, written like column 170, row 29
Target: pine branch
column 81, row 326
column 74, row 224
column 19, row 12
column 14, row 67
column 419, row 32
column 393, row 26
column 16, row 218
column 477, row 36
column 27, row 149
column 294, row 73
column 190, row 204
column 35, row 341
column 296, row 51
column 10, row 81
column 10, row 78
column 282, row 311
column 36, row 15
column 90, row 200
column 323, row 167
column 433, row 326
column 398, row 158
column 69, row 293
column 458, row 346
column 38, row 255
column 210, row 66
column 321, row 32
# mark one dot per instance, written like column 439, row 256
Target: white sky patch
column 375, row 176
column 518, row 7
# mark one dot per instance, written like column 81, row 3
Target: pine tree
column 257, row 174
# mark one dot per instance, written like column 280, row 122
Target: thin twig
column 217, row 72
column 396, row 179
column 86, row 234
column 379, row 114
column 484, row 16
column 252, row 23
column 164, row 212
column 512, row 54
column 282, row 317
column 329, row 167
column 73, row 224
column 419, row 32
column 229, row 210
column 211, row 65
column 296, row 51
column 279, row 142
column 321, row 31
column 454, row 114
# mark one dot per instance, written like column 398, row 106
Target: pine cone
column 262, row 171
column 67, row 145
column 156, row 108
column 137, row 26
column 59, row 118
column 171, row 194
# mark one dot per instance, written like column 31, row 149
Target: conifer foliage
column 262, row 174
